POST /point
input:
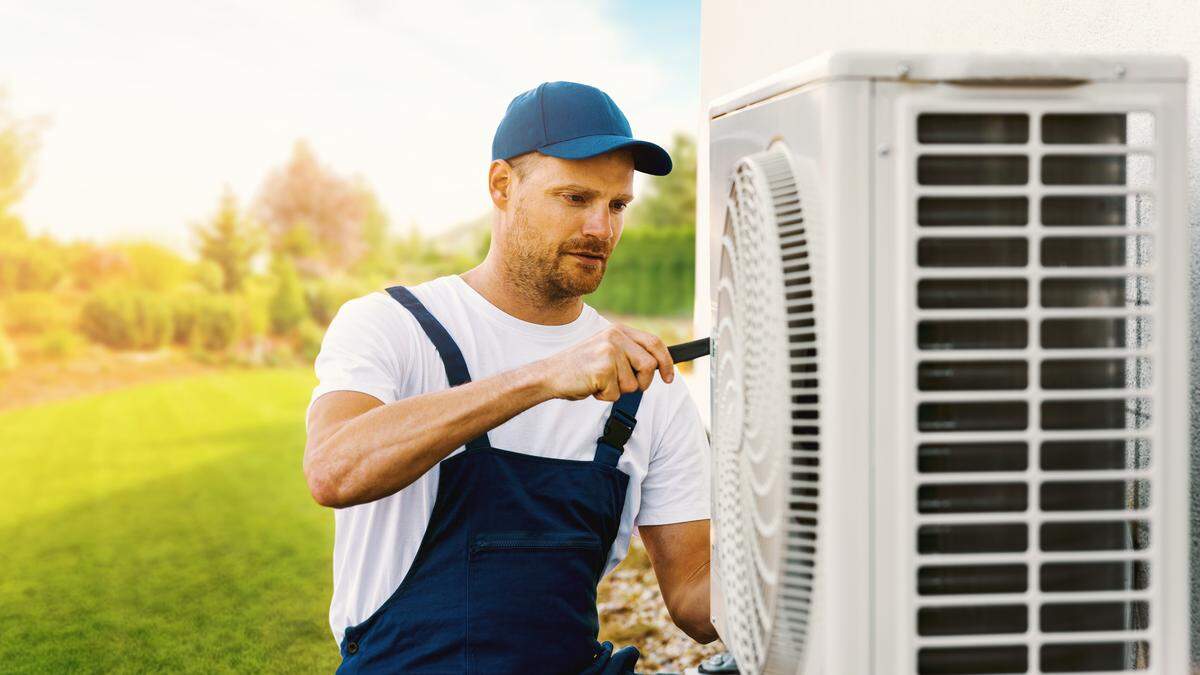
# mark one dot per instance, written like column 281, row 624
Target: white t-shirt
column 375, row 346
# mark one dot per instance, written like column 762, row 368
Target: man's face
column 564, row 219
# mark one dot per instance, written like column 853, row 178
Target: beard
column 550, row 272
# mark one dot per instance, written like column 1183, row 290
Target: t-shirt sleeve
column 357, row 353
column 677, row 487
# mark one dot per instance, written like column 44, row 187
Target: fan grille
column 765, row 437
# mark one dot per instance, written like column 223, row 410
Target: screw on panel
column 884, row 150
column 903, row 70
column 1119, row 71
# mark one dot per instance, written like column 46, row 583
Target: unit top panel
column 977, row 68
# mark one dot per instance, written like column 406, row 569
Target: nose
column 598, row 223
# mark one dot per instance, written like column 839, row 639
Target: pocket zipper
column 492, row 544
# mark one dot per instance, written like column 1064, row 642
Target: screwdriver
column 686, row 351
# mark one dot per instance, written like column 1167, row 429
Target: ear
column 500, row 183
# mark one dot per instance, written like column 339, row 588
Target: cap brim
column 647, row 157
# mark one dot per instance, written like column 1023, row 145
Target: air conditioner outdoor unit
column 949, row 377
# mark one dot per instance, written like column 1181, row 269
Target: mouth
column 588, row 257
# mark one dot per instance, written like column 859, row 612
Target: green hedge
column 185, row 310
column 652, row 272
column 208, row 321
column 217, row 323
column 124, row 318
column 127, row 319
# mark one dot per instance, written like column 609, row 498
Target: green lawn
column 164, row 527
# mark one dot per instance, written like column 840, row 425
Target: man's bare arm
column 360, row 450
column 679, row 553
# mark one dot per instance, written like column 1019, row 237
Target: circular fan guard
column 765, row 425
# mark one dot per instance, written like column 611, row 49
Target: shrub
column 215, row 326
column 325, row 296
column 309, row 338
column 154, row 267
column 127, row 319
column 216, row 321
column 287, row 308
column 8, row 353
column 208, row 358
column 30, row 265
column 38, row 312
column 252, row 311
column 276, row 353
column 184, row 308
column 209, row 276
column 59, row 344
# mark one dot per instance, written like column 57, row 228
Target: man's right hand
column 617, row 360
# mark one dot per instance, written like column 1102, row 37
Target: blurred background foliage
column 264, row 278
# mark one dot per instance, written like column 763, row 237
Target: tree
column 671, row 201
column 377, row 257
column 314, row 214
column 18, row 141
column 208, row 275
column 230, row 240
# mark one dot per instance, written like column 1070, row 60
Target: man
column 489, row 441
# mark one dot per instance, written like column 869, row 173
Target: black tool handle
column 686, row 351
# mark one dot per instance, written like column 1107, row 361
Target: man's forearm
column 385, row 449
column 680, row 555
column 693, row 606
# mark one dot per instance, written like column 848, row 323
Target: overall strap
column 452, row 358
column 618, row 428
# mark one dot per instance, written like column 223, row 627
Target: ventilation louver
column 766, row 343
column 1034, row 420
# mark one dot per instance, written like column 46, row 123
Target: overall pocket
column 531, row 602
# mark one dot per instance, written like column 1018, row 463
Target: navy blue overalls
column 504, row 580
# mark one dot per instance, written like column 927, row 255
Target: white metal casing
column 853, row 115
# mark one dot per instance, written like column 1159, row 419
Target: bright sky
column 152, row 107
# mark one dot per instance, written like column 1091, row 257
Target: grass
column 164, row 527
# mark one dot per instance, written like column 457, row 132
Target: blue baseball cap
column 572, row 121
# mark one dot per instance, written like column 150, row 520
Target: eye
column 619, row 206
column 575, row 198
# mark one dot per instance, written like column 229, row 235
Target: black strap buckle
column 618, row 429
